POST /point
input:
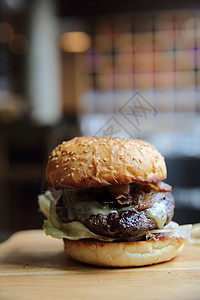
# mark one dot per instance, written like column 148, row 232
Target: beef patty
column 118, row 224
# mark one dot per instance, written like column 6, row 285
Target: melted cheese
column 84, row 209
column 158, row 213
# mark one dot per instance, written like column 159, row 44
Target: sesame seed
column 111, row 168
column 62, row 179
column 68, row 175
column 81, row 164
column 85, row 151
column 105, row 159
column 140, row 160
column 90, row 166
column 73, row 158
column 58, row 152
column 140, row 168
column 72, row 174
column 65, row 169
column 56, row 180
column 57, row 166
column 73, row 169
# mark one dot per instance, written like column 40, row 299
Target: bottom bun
column 124, row 254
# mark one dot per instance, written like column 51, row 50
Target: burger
column 106, row 199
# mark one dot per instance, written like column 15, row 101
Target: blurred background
column 70, row 68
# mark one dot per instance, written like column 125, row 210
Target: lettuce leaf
column 72, row 231
column 54, row 227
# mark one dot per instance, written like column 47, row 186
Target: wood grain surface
column 33, row 266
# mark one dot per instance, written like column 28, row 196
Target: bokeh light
column 191, row 28
column 75, row 41
column 18, row 44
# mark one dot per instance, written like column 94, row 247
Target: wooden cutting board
column 33, row 266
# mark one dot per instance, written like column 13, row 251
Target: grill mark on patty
column 122, row 226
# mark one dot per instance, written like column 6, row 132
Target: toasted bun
column 98, row 161
column 124, row 254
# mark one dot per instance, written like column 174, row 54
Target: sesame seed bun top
column 99, row 161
